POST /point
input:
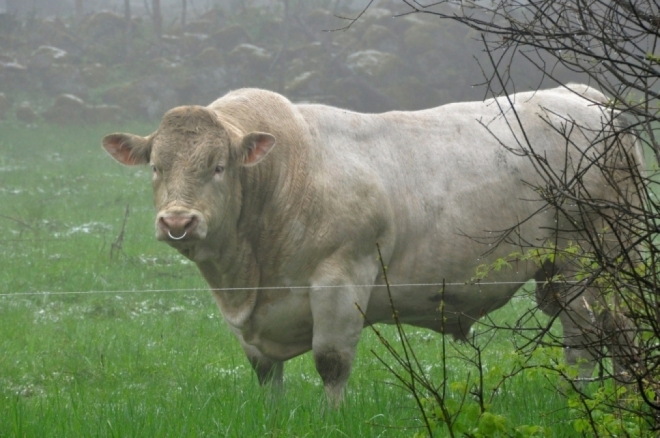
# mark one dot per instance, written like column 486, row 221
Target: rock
column 202, row 85
column 216, row 16
column 52, row 67
column 148, row 98
column 94, row 75
column 159, row 66
column 25, row 113
column 207, row 23
column 378, row 13
column 305, row 86
column 393, row 15
column 380, row 38
column 63, row 79
column 190, row 43
column 67, row 110
column 104, row 26
column 380, row 66
column 200, row 26
column 169, row 39
column 305, row 52
column 250, row 57
column 45, row 56
column 53, row 32
column 103, row 113
column 209, row 57
column 229, row 37
column 13, row 75
column 193, row 42
column 366, row 61
column 319, row 20
column 312, row 57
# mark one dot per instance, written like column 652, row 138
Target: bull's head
column 195, row 164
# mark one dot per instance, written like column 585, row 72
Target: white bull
column 261, row 193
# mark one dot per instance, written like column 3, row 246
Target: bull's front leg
column 337, row 328
column 338, row 322
column 267, row 370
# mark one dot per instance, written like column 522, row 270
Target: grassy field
column 99, row 356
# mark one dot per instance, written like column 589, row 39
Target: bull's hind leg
column 574, row 308
column 590, row 325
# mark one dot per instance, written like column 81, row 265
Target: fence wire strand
column 238, row 289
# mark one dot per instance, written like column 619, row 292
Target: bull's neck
column 274, row 197
column 233, row 279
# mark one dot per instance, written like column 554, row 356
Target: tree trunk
column 79, row 10
column 184, row 11
column 157, row 18
column 128, row 30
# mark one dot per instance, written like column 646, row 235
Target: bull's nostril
column 192, row 224
column 177, row 226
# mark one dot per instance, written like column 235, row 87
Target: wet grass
column 120, row 362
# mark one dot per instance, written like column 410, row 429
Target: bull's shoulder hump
column 251, row 94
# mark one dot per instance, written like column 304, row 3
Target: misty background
column 89, row 61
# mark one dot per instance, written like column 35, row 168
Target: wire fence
column 261, row 288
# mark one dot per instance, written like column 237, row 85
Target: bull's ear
column 255, row 147
column 128, row 149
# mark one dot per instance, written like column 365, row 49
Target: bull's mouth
column 181, row 242
column 185, row 238
column 187, row 245
column 194, row 250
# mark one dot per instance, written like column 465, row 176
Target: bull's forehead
column 190, row 136
column 189, row 118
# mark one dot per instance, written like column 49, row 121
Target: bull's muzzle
column 178, row 225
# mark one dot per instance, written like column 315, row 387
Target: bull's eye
column 154, row 171
column 219, row 169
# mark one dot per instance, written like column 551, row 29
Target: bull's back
column 442, row 171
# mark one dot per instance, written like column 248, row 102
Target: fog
column 45, row 8
column 121, row 60
column 80, row 261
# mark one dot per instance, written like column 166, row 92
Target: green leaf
column 490, row 424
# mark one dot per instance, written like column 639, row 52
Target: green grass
column 118, row 363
